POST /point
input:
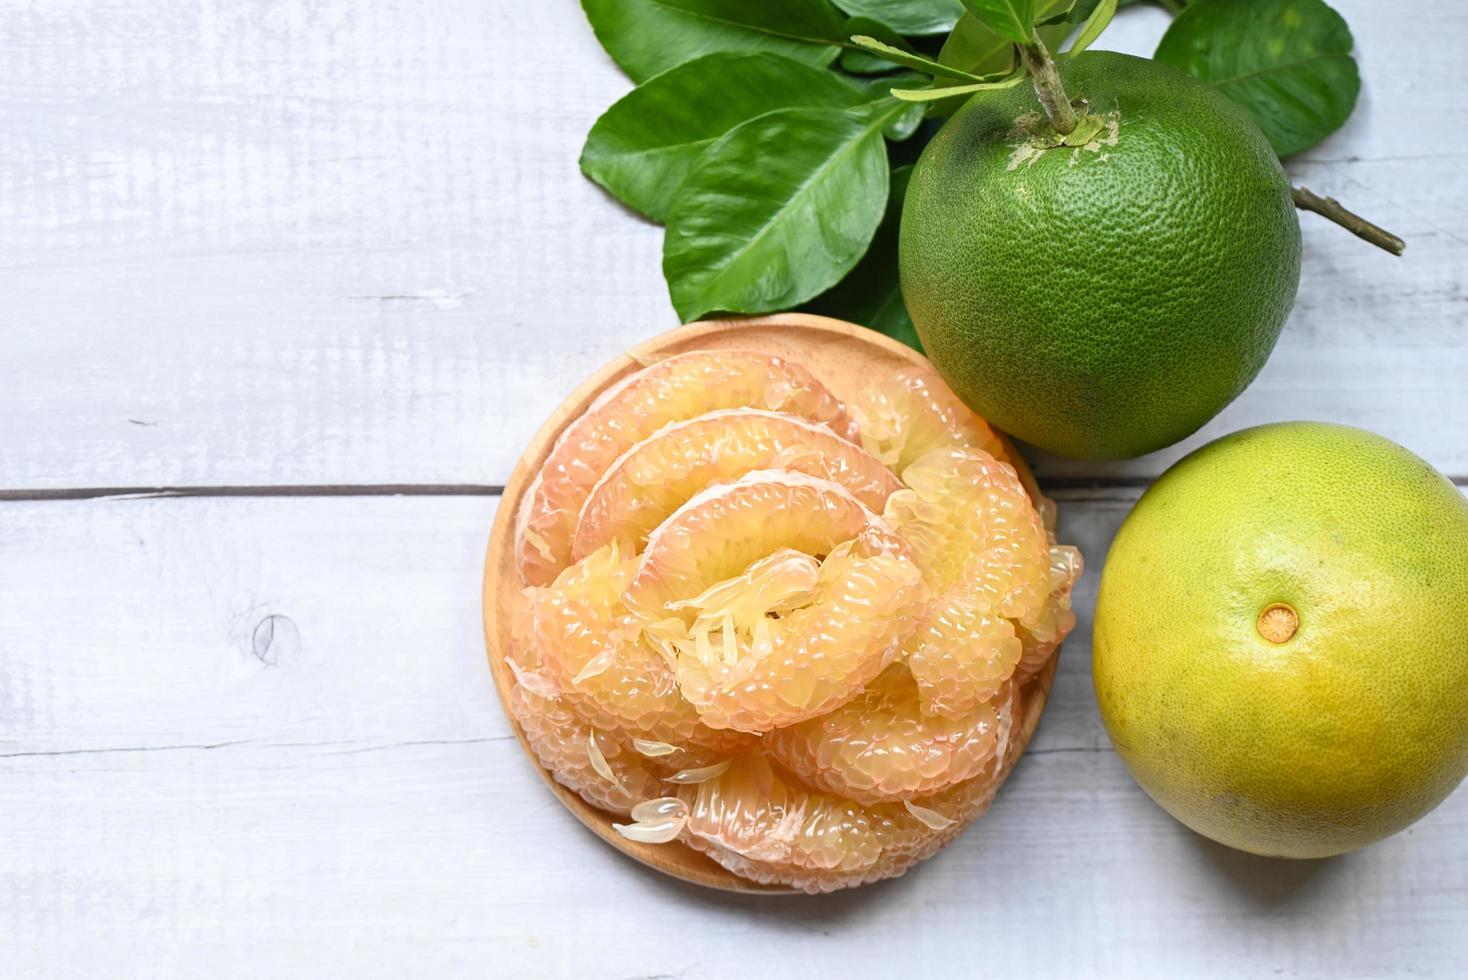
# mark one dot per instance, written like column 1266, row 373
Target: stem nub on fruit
column 1048, row 86
column 1063, row 118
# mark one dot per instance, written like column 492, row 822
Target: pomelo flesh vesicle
column 963, row 653
column 605, row 771
column 987, row 555
column 1040, row 636
column 913, row 412
column 881, row 746
column 658, row 475
column 759, row 822
column 791, row 645
column 780, row 597
column 678, row 387
column 594, row 652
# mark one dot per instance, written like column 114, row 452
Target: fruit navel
column 1278, row 623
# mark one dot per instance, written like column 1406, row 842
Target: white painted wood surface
column 330, row 242
column 182, row 798
column 325, row 241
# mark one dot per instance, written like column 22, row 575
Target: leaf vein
column 874, row 126
column 1271, row 69
column 754, row 28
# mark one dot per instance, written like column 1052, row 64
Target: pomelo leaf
column 777, row 211
column 911, row 59
column 975, row 48
column 1287, row 62
column 1077, row 11
column 871, row 293
column 1013, row 20
column 904, row 124
column 646, row 37
column 643, row 146
column 1096, row 22
column 870, row 61
column 936, row 94
column 914, row 17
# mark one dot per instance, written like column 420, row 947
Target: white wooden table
column 284, row 288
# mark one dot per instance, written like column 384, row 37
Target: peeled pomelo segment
column 762, row 824
column 600, row 769
column 881, row 746
column 718, row 533
column 962, row 654
column 971, row 523
column 759, row 670
column 676, row 388
column 914, row 412
column 986, row 554
column 914, row 830
column 1041, row 634
column 656, row 476
column 595, row 654
column 778, row 598
column 755, row 812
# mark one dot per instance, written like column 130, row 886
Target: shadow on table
column 1270, row 882
column 797, row 913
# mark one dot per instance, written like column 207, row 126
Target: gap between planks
column 1103, row 488
column 279, row 490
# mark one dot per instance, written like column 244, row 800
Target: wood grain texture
column 321, row 241
column 184, row 794
column 307, row 242
column 847, row 359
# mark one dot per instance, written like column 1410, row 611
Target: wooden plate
column 846, row 358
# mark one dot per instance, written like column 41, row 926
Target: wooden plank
column 336, row 243
column 189, row 788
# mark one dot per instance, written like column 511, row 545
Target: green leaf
column 877, row 89
column 934, row 94
column 1013, row 20
column 1100, row 17
column 874, row 60
column 913, row 17
column 912, row 60
column 1287, row 62
column 777, row 211
column 905, row 123
column 646, row 37
column 1077, row 11
column 978, row 50
column 871, row 293
column 974, row 47
column 643, row 146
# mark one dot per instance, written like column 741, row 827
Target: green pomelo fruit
column 1102, row 300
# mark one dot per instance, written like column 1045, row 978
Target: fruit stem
column 1048, row 86
column 1329, row 207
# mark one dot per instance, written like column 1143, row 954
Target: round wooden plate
column 846, row 358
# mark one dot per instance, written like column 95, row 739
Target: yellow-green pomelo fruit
column 1102, row 300
column 1281, row 639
